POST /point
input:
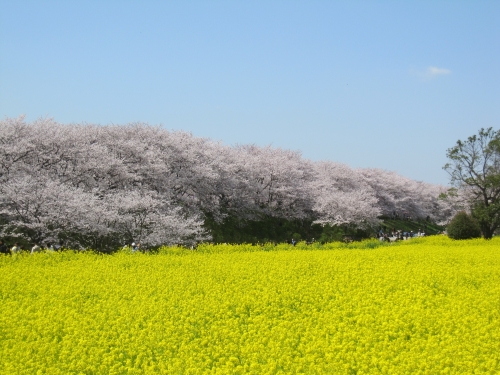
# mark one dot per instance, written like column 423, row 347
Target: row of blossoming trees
column 99, row 186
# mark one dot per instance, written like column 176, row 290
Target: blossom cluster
column 425, row 306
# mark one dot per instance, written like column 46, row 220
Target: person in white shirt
column 35, row 248
column 15, row 249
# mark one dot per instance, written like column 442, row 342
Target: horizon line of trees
column 99, row 187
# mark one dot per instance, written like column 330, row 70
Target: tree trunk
column 487, row 232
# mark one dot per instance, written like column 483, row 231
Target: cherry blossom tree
column 59, row 180
column 147, row 219
column 274, row 181
column 408, row 198
column 341, row 196
column 41, row 210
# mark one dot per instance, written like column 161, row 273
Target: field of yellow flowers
column 425, row 306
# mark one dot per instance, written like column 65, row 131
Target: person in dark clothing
column 3, row 248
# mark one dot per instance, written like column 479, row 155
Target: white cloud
column 433, row 71
column 430, row 73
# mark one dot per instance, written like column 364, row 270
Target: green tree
column 474, row 167
column 463, row 227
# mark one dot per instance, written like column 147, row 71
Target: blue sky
column 385, row 84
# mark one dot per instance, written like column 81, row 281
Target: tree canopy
column 474, row 169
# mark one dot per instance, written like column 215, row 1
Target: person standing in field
column 15, row 249
column 3, row 248
column 35, row 248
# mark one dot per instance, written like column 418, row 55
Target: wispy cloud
column 431, row 72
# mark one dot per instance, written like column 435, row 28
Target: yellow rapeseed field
column 425, row 306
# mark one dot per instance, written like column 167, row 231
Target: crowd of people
column 36, row 248
column 134, row 247
column 398, row 235
column 17, row 248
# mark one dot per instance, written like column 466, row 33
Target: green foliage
column 463, row 227
column 267, row 229
column 270, row 229
column 487, row 216
column 424, row 225
column 343, row 233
